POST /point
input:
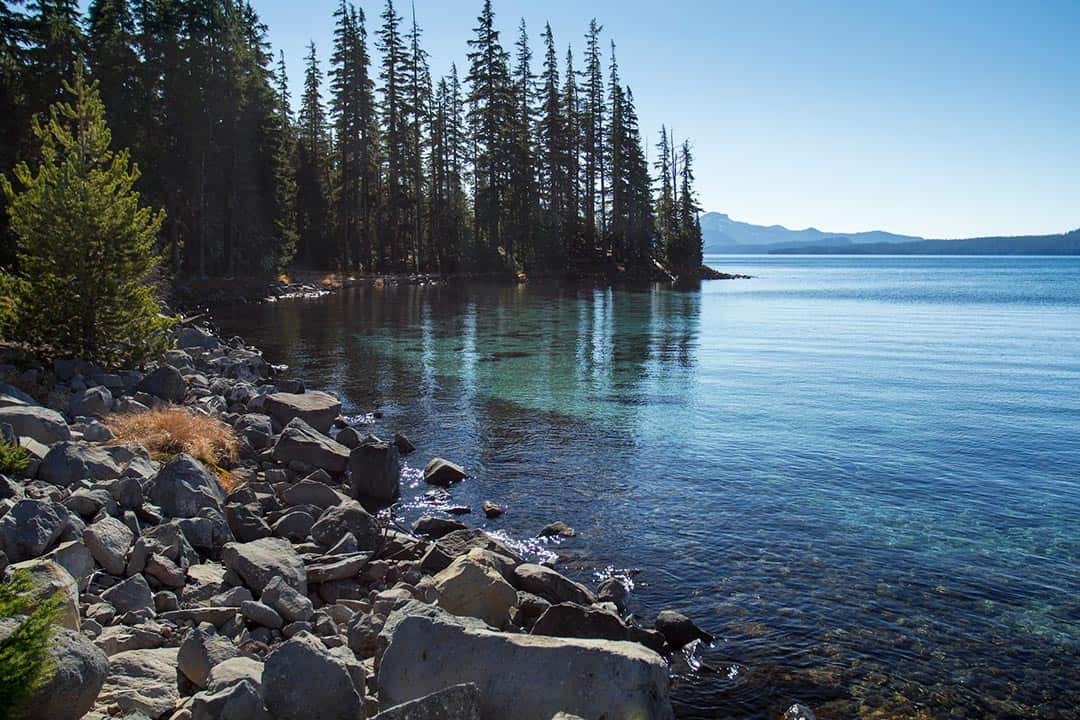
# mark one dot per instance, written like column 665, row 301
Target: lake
column 862, row 474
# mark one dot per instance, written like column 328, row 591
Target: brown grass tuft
column 174, row 430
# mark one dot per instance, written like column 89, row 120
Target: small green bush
column 13, row 458
column 25, row 662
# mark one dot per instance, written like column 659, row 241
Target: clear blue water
column 861, row 473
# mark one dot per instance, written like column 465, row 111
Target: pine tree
column 522, row 196
column 592, row 121
column 86, row 244
column 689, row 224
column 416, row 121
column 311, row 169
column 666, row 221
column 490, row 111
column 14, row 111
column 396, row 138
column 571, row 107
column 552, row 171
column 641, row 241
column 114, row 63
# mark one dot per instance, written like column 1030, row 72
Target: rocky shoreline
column 273, row 587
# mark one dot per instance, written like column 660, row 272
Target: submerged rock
column 679, row 630
column 443, row 473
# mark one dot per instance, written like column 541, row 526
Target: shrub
column 25, row 662
column 85, row 243
column 174, row 430
column 13, row 458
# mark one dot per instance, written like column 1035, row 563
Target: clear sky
column 943, row 119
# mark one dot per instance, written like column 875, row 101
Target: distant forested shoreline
column 1063, row 244
column 501, row 167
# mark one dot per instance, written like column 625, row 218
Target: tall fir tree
column 312, row 171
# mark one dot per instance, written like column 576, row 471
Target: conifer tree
column 416, row 121
column 689, row 224
column 110, row 40
column 571, row 108
column 311, row 169
column 592, row 126
column 395, row 70
column 552, row 170
column 86, row 242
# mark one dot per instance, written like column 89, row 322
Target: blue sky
column 943, row 119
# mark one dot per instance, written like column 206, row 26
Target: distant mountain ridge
column 722, row 235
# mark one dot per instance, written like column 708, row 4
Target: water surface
column 862, row 474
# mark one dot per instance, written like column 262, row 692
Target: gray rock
column 216, row 616
column 317, row 409
column 70, row 462
column 92, row 402
column 166, row 383
column 472, row 588
column 131, row 595
column 293, row 606
column 349, row 517
column 202, row 650
column 11, row 395
column 443, row 472
column 44, row 425
column 184, row 487
column 678, row 629
column 256, row 429
column 259, row 561
column 311, row 492
column 190, row 337
column 579, row 621
column 240, row 701
column 88, row 503
column 116, row 639
column 79, row 670
column 287, row 677
column 49, row 579
column 231, row 671
column 142, row 681
column 74, row 557
column 109, row 540
column 246, row 522
column 550, row 585
column 337, row 567
column 403, row 444
column 375, row 471
column 261, row 614
column 799, row 712
column 294, row 525
column 300, row 442
column 457, row 702
column 609, row 679
column 435, row 527
column 613, row 590
column 349, row 437
column 557, row 529
column 31, row 527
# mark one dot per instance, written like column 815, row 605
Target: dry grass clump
column 170, row 431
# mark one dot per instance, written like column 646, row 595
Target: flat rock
column 131, row 595
column 67, row 463
column 312, row 492
column 317, row 409
column 457, row 702
column 300, row 442
column 259, row 561
column 608, row 679
column 141, row 681
column 42, row 424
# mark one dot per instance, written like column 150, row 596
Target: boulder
column 578, row 621
column 312, row 492
column 550, row 585
column 166, row 383
column 240, row 701
column 458, row 702
column 131, row 595
column 190, row 337
column 474, row 589
column 141, row 681
column 590, row 678
column 88, row 503
column 261, row 614
column 202, row 650
column 435, row 527
column 557, row 529
column 184, row 487
column 294, row 525
column 443, row 472
column 11, row 395
column 375, row 471
column 259, row 561
column 256, row 429
column 44, row 425
column 349, row 517
column 317, row 409
column 109, row 540
column 74, row 557
column 116, row 639
column 300, row 442
column 70, row 462
column 246, row 522
column 678, row 629
column 31, row 527
column 293, row 606
column 50, row 579
column 232, row 671
column 404, row 445
column 91, row 402
column 491, row 510
column 69, row 692
column 288, row 677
